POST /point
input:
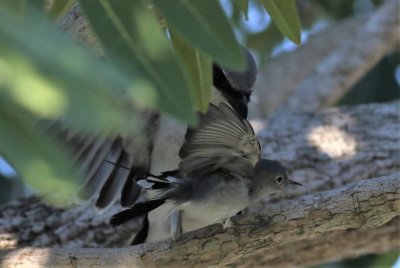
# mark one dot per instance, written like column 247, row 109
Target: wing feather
column 223, row 140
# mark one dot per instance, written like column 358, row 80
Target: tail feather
column 161, row 182
column 141, row 236
column 130, row 192
column 139, row 209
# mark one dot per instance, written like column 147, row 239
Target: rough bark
column 323, row 150
column 332, row 246
column 365, row 204
column 326, row 67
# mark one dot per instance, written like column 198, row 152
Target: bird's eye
column 279, row 179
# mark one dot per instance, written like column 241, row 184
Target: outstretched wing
column 223, row 140
column 110, row 165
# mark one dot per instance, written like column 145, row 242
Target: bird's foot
column 227, row 223
column 175, row 223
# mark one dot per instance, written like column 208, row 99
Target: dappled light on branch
column 333, row 141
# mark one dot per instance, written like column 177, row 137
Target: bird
column 221, row 172
column 112, row 165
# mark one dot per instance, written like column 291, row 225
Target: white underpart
column 167, row 143
column 165, row 157
column 214, row 209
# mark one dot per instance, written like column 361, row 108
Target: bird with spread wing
column 221, row 172
column 112, row 165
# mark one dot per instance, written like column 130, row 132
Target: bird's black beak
column 295, row 182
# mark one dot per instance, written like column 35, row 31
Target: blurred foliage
column 198, row 69
column 58, row 8
column 6, row 187
column 379, row 85
column 285, row 17
column 11, row 187
column 340, row 9
column 158, row 56
column 45, row 76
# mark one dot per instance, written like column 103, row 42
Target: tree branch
column 323, row 150
column 332, row 246
column 326, row 67
column 364, row 204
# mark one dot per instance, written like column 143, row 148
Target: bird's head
column 269, row 176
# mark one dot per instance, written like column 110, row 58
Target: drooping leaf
column 17, row 7
column 35, row 4
column 47, row 74
column 264, row 42
column 41, row 165
column 139, row 48
column 43, row 74
column 284, row 15
column 243, row 6
column 58, row 8
column 203, row 24
column 198, row 66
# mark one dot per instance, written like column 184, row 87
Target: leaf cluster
column 148, row 65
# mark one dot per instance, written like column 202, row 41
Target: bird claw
column 227, row 224
column 175, row 220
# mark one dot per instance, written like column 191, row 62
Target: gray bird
column 220, row 174
column 112, row 165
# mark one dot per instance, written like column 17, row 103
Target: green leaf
column 43, row 74
column 135, row 43
column 16, row 7
column 264, row 43
column 203, row 24
column 59, row 8
column 44, row 167
column 243, row 6
column 285, row 16
column 48, row 75
column 199, row 69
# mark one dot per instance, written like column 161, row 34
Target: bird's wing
column 223, row 140
column 112, row 165
column 109, row 165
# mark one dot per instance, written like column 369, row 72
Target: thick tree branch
column 332, row 246
column 334, row 147
column 364, row 204
column 324, row 150
column 325, row 68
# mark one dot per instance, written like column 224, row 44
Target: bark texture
column 323, row 150
column 363, row 205
column 329, row 151
column 332, row 246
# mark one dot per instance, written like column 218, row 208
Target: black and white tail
column 163, row 182
column 159, row 185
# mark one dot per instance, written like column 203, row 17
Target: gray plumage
column 112, row 165
column 220, row 174
column 243, row 81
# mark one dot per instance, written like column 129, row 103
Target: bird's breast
column 215, row 207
